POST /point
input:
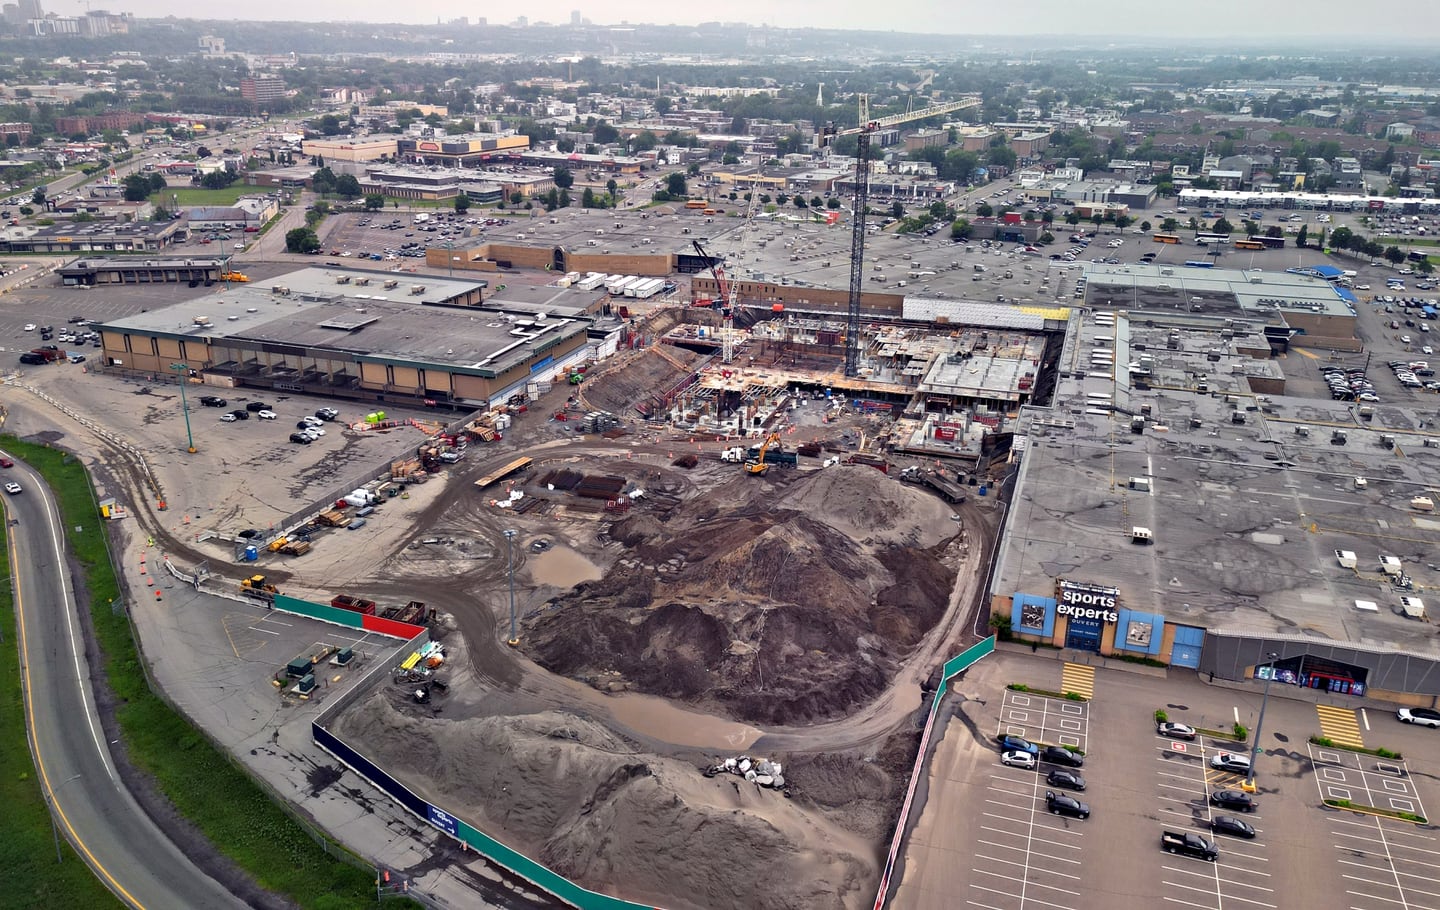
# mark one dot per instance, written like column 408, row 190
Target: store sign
column 1088, row 602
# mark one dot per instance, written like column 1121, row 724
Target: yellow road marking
column 1079, row 679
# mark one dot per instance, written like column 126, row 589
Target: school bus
column 1166, row 238
column 696, row 204
column 1249, row 245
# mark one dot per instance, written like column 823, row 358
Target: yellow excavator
column 257, row 586
column 757, row 465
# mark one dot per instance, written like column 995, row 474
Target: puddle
column 561, row 567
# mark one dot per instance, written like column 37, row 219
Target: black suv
column 1060, row 804
column 300, row 438
column 255, row 406
column 1058, row 756
column 212, row 401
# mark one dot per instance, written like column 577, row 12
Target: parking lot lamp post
column 1260, row 723
column 510, row 559
column 182, row 369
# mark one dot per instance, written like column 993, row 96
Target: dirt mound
column 777, row 611
column 614, row 820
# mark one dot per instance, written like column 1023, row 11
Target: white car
column 227, row 418
column 311, row 421
column 1018, row 759
column 266, row 415
column 1362, row 287
column 29, row 326
column 1424, row 717
column 1234, row 762
column 1404, row 339
column 12, row 488
column 313, row 432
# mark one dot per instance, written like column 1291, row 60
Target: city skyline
column 1244, row 23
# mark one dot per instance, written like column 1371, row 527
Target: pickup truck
column 1189, row 844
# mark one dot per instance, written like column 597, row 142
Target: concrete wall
column 753, row 293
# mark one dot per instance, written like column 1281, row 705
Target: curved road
column 125, row 849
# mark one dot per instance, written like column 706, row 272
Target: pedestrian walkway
column 1340, row 726
column 1078, row 679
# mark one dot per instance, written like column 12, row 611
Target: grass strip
column 28, row 851
column 216, row 795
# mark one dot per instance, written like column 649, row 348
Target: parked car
column 227, row 417
column 1061, row 804
column 256, row 406
column 1069, row 780
column 327, row 414
column 266, row 415
column 1058, row 756
column 1233, row 799
column 1018, row 759
column 213, row 401
column 1229, row 824
column 1010, row 743
column 1175, row 731
column 1236, row 762
column 1425, row 717
column 301, row 438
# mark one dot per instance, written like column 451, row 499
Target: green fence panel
column 967, row 657
column 322, row 612
column 527, row 868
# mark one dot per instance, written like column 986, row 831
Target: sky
column 1244, row 20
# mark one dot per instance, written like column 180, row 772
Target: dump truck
column 354, row 604
column 1189, row 844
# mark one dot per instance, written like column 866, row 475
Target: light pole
column 1260, row 723
column 510, row 560
column 54, row 810
column 182, row 369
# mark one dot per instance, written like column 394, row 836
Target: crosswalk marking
column 1340, row 726
column 1079, row 679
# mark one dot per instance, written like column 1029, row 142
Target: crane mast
column 863, row 134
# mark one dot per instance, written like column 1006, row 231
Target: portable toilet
column 251, row 554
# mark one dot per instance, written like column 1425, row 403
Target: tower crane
column 863, row 133
column 728, row 290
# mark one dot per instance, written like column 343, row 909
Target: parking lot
column 985, row 839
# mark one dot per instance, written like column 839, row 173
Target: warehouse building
column 369, row 337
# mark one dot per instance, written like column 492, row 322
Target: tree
column 301, row 240
column 374, row 202
column 1097, row 219
column 816, row 202
column 1223, row 226
column 675, row 184
column 1123, row 221
column 1145, row 226
column 587, row 199
column 643, row 142
column 137, row 188
column 1046, row 238
column 517, row 197
column 800, row 202
column 984, row 210
column 662, row 104
column 1393, row 255
column 612, row 187
column 833, row 202
column 1274, row 230
column 202, row 153
column 729, row 158
column 348, row 187
column 1302, row 236
column 897, row 209
column 462, row 204
column 1342, row 238
column 604, row 133
column 960, row 229
column 1424, row 267
column 1072, row 218
column 563, row 178
column 38, row 197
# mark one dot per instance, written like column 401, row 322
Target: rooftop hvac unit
column 363, row 282
column 342, row 279
column 417, row 289
column 202, row 320
column 391, row 283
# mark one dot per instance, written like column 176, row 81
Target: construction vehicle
column 863, row 132
column 734, row 454
column 257, row 586
column 757, row 466
column 237, row 277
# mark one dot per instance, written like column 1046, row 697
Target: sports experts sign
column 1088, row 602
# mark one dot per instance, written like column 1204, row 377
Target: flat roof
column 1210, row 291
column 367, row 321
column 1244, row 516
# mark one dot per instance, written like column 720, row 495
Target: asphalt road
column 93, row 810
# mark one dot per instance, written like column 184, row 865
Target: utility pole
column 183, row 369
column 510, row 559
column 1260, row 723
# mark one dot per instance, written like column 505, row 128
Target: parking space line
column 1176, row 900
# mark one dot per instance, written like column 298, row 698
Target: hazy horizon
column 1247, row 23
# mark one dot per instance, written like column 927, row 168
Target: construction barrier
column 472, row 838
column 952, row 667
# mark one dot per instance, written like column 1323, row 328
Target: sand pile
column 584, row 802
column 776, row 610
